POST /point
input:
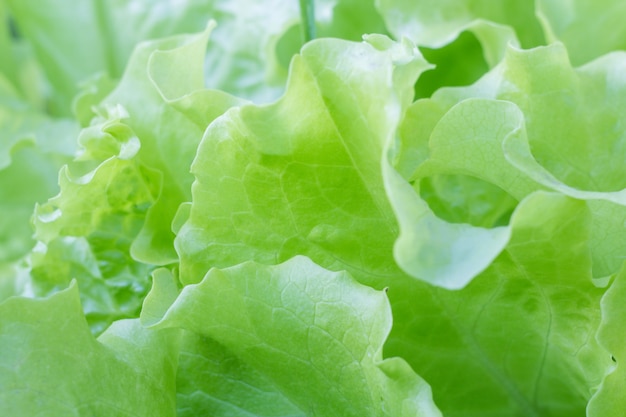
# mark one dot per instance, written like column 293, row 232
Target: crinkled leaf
column 51, row 365
column 32, row 149
column 303, row 175
column 250, row 46
column 458, row 144
column 119, row 196
column 86, row 231
column 446, row 254
column 314, row 338
column 313, row 169
column 168, row 108
column 254, row 41
column 560, row 133
column 519, row 340
column 450, row 198
column 461, row 38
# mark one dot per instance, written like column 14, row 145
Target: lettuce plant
column 207, row 212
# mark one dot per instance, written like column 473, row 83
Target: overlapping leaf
column 519, row 340
column 51, row 365
column 588, row 28
column 462, row 38
column 303, row 176
column 444, row 194
column 437, row 23
column 32, row 149
column 295, row 340
column 562, row 133
column 251, row 46
column 119, row 196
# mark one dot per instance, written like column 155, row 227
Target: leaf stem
column 307, row 16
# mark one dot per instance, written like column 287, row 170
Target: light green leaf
column 32, row 149
column 303, row 175
column 74, row 40
column 445, row 254
column 609, row 400
column 50, row 364
column 437, row 23
column 255, row 41
column 213, row 381
column 164, row 83
column 519, row 340
column 210, row 379
column 589, row 29
column 111, row 221
column 311, row 336
column 86, row 231
column 118, row 186
column 463, row 38
column 561, row 133
column 250, row 50
column 460, row 144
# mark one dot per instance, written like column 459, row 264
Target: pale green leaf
column 561, row 133
column 51, row 365
column 519, row 340
column 307, row 335
column 303, row 175
column 589, row 29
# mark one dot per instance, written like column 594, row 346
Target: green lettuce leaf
column 51, row 365
column 211, row 380
column 437, row 23
column 164, row 82
column 108, row 35
column 303, row 175
column 529, row 142
column 308, row 337
column 254, row 41
column 487, row 219
column 251, row 46
column 462, row 38
column 519, row 340
column 589, row 29
column 555, row 128
column 170, row 127
column 263, row 195
column 609, row 399
column 85, row 232
column 111, row 222
column 32, row 149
